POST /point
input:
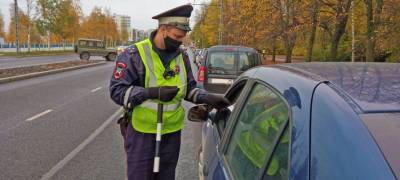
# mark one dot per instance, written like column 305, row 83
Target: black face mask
column 171, row 45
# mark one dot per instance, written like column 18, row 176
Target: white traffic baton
column 156, row 166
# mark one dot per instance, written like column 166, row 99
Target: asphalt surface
column 12, row 62
column 61, row 126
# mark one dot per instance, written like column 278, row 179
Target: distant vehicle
column 191, row 56
column 305, row 121
column 223, row 64
column 94, row 47
column 200, row 55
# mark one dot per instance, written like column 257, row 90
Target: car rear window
column 222, row 60
column 385, row 128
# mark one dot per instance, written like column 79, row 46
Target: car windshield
column 385, row 127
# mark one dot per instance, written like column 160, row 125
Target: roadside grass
column 36, row 53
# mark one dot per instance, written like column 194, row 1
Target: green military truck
column 94, row 47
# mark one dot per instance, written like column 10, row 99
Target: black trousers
column 140, row 150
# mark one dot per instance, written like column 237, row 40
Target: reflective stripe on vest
column 144, row 116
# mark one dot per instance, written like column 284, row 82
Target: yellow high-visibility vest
column 144, row 116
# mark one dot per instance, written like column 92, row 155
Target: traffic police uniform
column 140, row 67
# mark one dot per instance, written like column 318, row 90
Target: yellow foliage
column 264, row 24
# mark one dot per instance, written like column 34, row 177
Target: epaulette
column 132, row 49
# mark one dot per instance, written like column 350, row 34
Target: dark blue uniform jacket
column 130, row 71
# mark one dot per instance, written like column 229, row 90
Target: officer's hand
column 163, row 93
column 217, row 101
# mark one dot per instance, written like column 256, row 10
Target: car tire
column 111, row 57
column 85, row 56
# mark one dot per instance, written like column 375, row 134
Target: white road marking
column 39, row 115
column 80, row 147
column 94, row 90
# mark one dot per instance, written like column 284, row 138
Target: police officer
column 155, row 71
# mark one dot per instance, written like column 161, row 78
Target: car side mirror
column 198, row 113
column 213, row 116
column 219, row 116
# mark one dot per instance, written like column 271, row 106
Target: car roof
column 386, row 133
column 231, row 48
column 379, row 94
column 374, row 87
column 85, row 39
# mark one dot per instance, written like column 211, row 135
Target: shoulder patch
column 119, row 70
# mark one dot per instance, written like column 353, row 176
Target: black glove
column 217, row 101
column 163, row 93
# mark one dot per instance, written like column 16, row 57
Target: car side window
column 244, row 62
column 259, row 124
column 278, row 164
column 99, row 44
column 82, row 43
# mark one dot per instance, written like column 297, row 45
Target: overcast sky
column 140, row 11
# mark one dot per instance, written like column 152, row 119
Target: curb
column 43, row 73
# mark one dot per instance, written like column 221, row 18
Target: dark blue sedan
column 306, row 121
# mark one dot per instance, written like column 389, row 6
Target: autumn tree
column 30, row 4
column 196, row 34
column 67, row 20
column 23, row 28
column 46, row 22
column 2, row 33
column 315, row 29
column 210, row 27
column 339, row 13
column 314, row 13
column 288, row 12
column 374, row 11
column 100, row 25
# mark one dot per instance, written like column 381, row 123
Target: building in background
column 148, row 32
column 138, row 35
column 124, row 25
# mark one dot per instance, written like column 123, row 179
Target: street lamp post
column 16, row 24
column 29, row 6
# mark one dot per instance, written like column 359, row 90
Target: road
column 62, row 126
column 11, row 62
